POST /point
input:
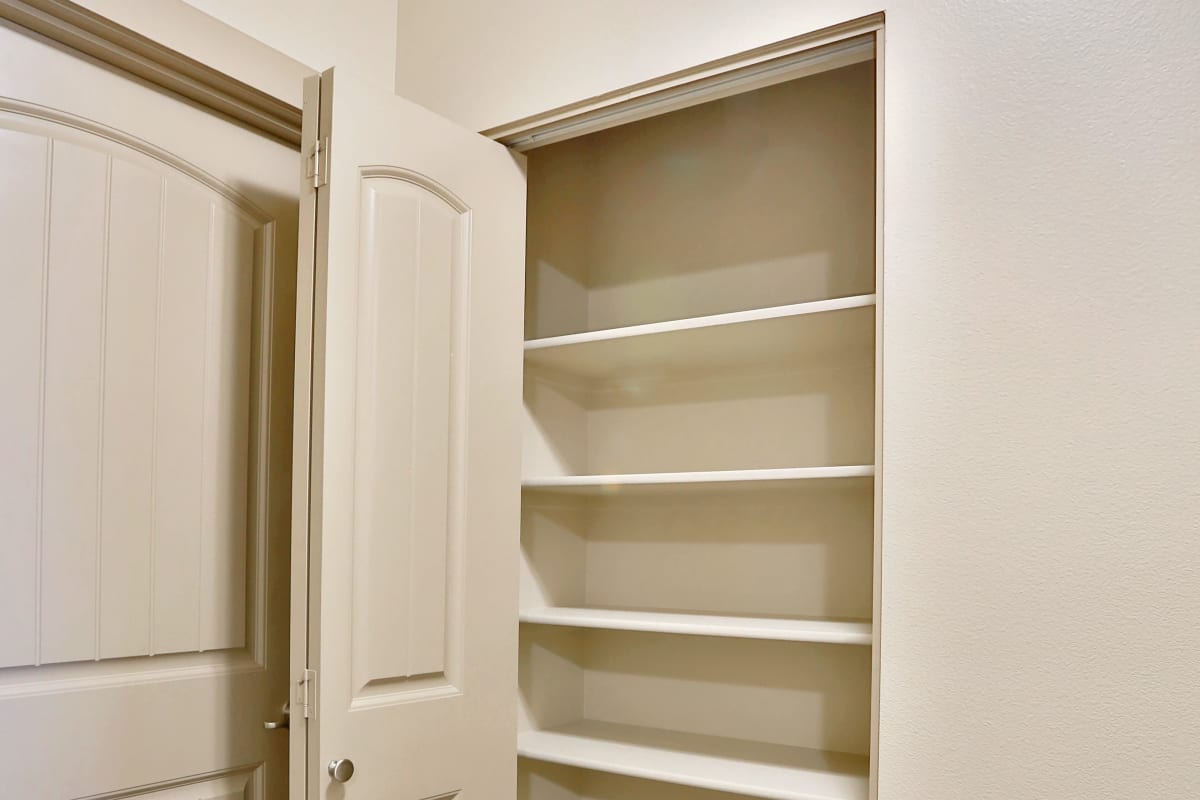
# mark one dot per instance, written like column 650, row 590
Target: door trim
column 825, row 49
column 89, row 33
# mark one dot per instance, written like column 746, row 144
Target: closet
column 698, row 510
column 609, row 528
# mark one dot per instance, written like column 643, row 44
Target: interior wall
column 179, row 26
column 783, row 176
column 357, row 35
column 1041, row 356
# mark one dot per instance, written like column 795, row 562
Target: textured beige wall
column 1041, row 583
column 270, row 44
column 357, row 35
column 181, row 27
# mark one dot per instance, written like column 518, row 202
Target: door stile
column 302, row 734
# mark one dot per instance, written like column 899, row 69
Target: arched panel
column 129, row 332
column 411, row 339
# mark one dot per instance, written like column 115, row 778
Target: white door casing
column 143, row 445
column 407, row 440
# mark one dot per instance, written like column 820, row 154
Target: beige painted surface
column 803, row 695
column 148, row 293
column 357, row 35
column 412, row 514
column 1040, row 583
column 754, row 201
column 226, row 47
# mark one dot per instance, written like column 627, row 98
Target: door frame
column 831, row 47
column 87, row 32
column 838, row 45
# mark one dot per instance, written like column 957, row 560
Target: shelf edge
column 732, row 627
column 709, row 321
column 710, row 476
column 615, row 767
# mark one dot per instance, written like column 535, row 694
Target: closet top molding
column 829, row 48
column 89, row 33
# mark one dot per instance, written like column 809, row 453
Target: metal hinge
column 318, row 163
column 306, row 698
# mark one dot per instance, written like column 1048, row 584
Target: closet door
column 407, row 468
column 146, row 250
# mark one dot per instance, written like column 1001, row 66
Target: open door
column 407, row 480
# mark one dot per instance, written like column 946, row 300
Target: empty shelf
column 790, row 333
column 776, row 628
column 607, row 484
column 756, row 769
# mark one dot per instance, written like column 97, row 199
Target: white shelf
column 791, row 333
column 756, row 769
column 658, row 481
column 781, row 629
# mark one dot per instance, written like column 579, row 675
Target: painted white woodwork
column 225, row 476
column 23, row 162
column 777, row 63
column 801, row 549
column 177, row 49
column 780, row 335
column 232, row 784
column 131, row 318
column 774, row 628
column 700, row 430
column 414, row 269
column 546, row 779
column 790, row 693
column 412, row 479
column 143, row 376
column 754, row 417
column 609, row 483
column 613, row 786
column 144, row 582
column 180, row 368
column 70, row 429
column 753, row 769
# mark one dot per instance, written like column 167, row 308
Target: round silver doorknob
column 341, row 769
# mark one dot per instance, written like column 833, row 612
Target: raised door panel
column 408, row 424
column 129, row 334
column 233, row 784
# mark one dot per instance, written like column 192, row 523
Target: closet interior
column 698, row 508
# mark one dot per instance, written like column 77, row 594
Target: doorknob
column 286, row 713
column 341, row 769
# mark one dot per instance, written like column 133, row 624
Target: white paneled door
column 144, row 438
column 409, row 323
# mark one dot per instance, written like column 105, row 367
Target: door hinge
column 307, row 694
column 318, row 163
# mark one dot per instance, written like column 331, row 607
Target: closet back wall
column 1041, row 376
column 760, row 199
